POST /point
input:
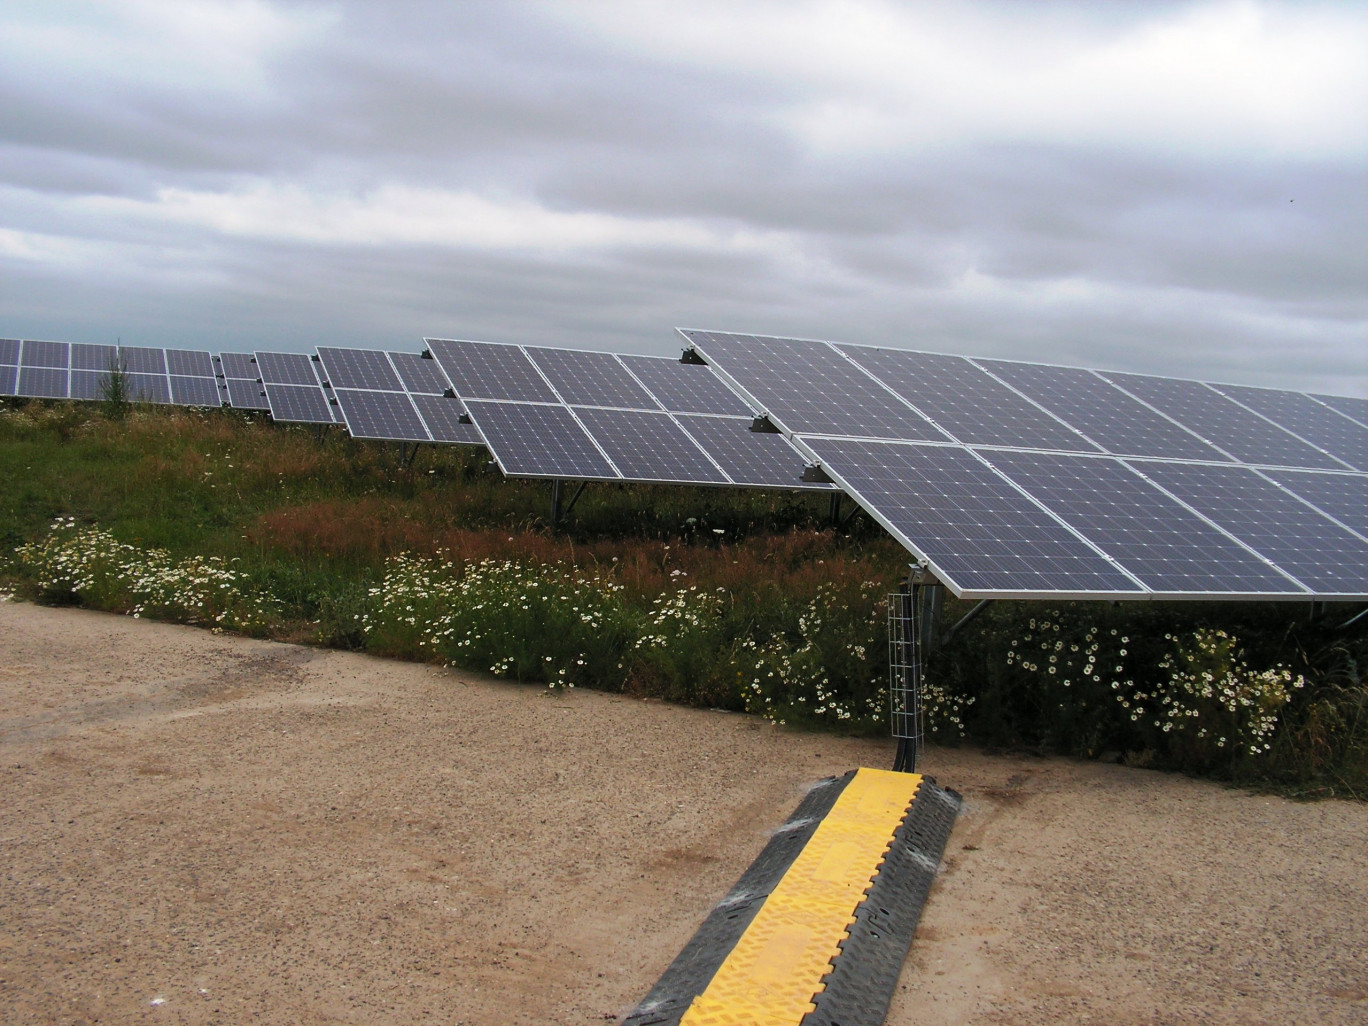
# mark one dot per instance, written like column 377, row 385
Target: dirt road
column 204, row 829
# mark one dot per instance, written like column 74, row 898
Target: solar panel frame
column 1271, row 520
column 1343, row 497
column 148, row 388
column 246, row 394
column 539, row 440
column 239, row 365
column 197, row 390
column 88, row 384
column 1163, row 543
column 1008, row 547
column 1314, row 423
column 810, row 386
column 142, row 360
column 586, row 378
column 9, row 378
column 358, row 369
column 685, row 388
column 966, row 401
column 380, row 415
column 491, row 370
column 43, row 382
column 189, row 363
column 86, row 356
column 9, row 352
column 286, row 369
column 1243, row 434
column 442, row 416
column 649, row 447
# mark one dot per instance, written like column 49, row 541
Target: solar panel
column 1347, row 405
column 965, row 401
column 286, row 369
column 239, row 365
column 685, row 387
column 359, row 368
column 246, row 395
column 142, row 360
column 195, row 391
column 1246, row 437
column 982, row 535
column 421, row 376
column 380, row 415
column 1170, row 549
column 298, row 404
column 93, row 357
column 36, row 353
column 590, row 379
column 89, row 384
column 9, row 352
column 9, row 379
column 443, row 419
column 1112, row 419
column 148, row 388
column 649, row 446
column 755, row 459
column 810, row 386
column 1299, row 540
column 42, row 382
column 1324, row 428
column 189, row 363
column 489, row 370
column 1343, row 496
column 532, row 440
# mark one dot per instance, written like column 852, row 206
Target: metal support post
column 835, row 510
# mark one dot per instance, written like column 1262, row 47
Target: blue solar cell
column 196, row 391
column 89, row 384
column 9, row 352
column 148, row 388
column 298, row 404
column 142, row 360
column 93, row 357
column 982, row 536
column 239, row 365
column 591, row 379
column 1280, row 526
column 359, row 368
column 43, row 382
column 1247, row 437
column 810, row 387
column 686, row 387
column 286, row 369
column 1112, row 419
column 532, row 440
column 1343, row 496
column 1347, row 405
column 966, row 401
column 36, row 353
column 380, row 415
column 421, row 376
column 443, row 419
column 488, row 370
column 750, row 458
column 647, row 446
column 189, row 363
column 1169, row 548
column 246, row 395
column 9, row 379
column 1324, row 428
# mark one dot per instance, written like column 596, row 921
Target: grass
column 728, row 598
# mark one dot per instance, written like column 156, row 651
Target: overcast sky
column 1164, row 187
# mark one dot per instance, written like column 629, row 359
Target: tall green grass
column 744, row 600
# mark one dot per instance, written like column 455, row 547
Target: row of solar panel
column 854, row 391
column 1025, row 502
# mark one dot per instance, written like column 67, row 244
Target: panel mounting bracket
column 763, row 425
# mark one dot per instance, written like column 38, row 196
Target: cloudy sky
column 1165, row 187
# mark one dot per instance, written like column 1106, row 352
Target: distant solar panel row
column 74, row 370
column 1013, row 479
column 395, row 396
column 562, row 413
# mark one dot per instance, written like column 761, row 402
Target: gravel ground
column 204, row 829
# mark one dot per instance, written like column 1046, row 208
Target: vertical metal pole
column 555, row 502
column 905, row 693
column 835, row 513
